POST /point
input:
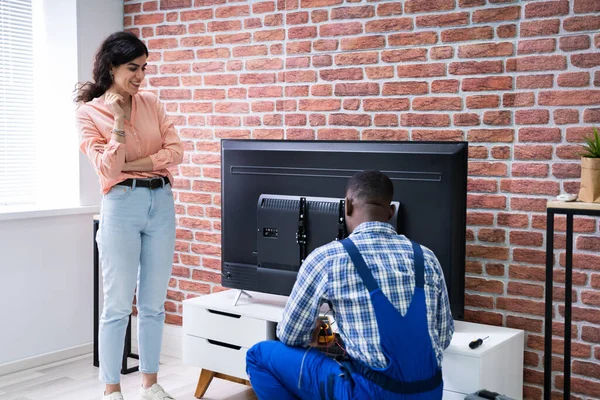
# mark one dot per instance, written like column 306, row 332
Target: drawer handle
column 223, row 313
column 229, row 346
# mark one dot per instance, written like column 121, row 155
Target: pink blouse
column 149, row 133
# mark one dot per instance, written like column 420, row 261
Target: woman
column 129, row 140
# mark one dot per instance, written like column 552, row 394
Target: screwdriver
column 476, row 343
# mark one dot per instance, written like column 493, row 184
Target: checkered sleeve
column 445, row 322
column 302, row 308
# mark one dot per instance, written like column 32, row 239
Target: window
column 17, row 123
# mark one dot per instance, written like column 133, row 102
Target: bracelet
column 119, row 132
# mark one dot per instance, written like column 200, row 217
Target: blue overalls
column 281, row 372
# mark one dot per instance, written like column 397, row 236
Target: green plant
column 592, row 145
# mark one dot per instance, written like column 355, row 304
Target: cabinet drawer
column 461, row 374
column 215, row 356
column 226, row 327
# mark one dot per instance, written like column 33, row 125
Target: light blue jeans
column 136, row 242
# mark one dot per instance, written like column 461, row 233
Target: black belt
column 151, row 184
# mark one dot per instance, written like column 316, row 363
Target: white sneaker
column 113, row 396
column 155, row 392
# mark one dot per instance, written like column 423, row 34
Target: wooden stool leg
column 206, row 376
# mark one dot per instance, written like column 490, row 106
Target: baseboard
column 47, row 358
column 172, row 344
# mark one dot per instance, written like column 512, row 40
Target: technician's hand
column 113, row 102
column 315, row 335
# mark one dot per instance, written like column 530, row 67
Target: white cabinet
column 218, row 334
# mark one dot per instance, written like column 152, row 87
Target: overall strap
column 419, row 265
column 360, row 265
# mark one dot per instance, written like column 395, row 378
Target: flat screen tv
column 282, row 199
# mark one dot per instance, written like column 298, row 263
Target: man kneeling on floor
column 390, row 304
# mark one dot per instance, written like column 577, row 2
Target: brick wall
column 518, row 79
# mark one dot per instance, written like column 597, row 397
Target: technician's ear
column 349, row 207
column 392, row 211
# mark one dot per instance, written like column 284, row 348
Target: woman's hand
column 113, row 102
column 99, row 147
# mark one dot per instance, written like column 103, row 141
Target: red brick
column 484, row 285
column 441, row 53
column 418, row 6
column 586, row 60
column 523, row 238
column 577, row 134
column 479, row 218
column 389, row 9
column 269, row 35
column 590, row 243
column 265, row 91
column 445, row 86
column 473, row 300
column 566, row 116
column 350, row 119
column 356, row 89
column 404, row 88
column 525, row 289
column 385, row 134
column 404, row 55
column 492, row 235
column 528, row 204
column 507, row 31
column 468, row 34
column 224, row 26
column 527, row 273
column 411, row 39
column 527, row 324
column 236, row 38
column 536, row 46
column 496, row 14
column 263, row 7
column 573, row 43
column 337, row 134
column 497, row 117
column 591, row 115
column 319, row 3
column 429, row 120
column 389, row 25
column 164, row 44
column 297, row 18
column 385, row 120
column 175, row 94
column 565, row 171
column 573, row 79
column 437, row 104
column 348, row 74
column 482, row 185
column 543, row 135
column 340, row 29
column 522, row 99
column 487, row 84
column 521, row 306
column 494, row 269
column 322, row 61
column 530, row 170
column 196, row 15
column 533, row 117
column 273, row 20
column 545, row 81
column 486, row 201
column 479, row 50
column 536, row 63
column 469, row 119
column 487, row 169
column 513, row 220
column 318, row 16
column 454, row 19
column 321, row 90
column 476, row 68
column 489, row 252
column 215, row 53
column 471, row 3
column 385, row 104
column 583, row 261
column 353, row 12
column 148, row 19
column 530, row 186
column 360, row 58
column 212, row 66
column 380, row 72
column 437, row 135
column 232, row 11
column 483, row 317
column 586, row 6
column 302, row 32
column 491, row 135
column 320, row 105
column 540, row 28
column 483, row 101
column 547, row 9
column 588, row 23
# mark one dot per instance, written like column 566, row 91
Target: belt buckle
column 156, row 183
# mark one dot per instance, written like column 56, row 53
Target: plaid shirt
column 328, row 275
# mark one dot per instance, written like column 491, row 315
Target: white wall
column 46, row 271
column 96, row 20
column 46, row 263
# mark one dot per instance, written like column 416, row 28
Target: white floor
column 77, row 379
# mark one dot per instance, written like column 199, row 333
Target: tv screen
column 264, row 184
